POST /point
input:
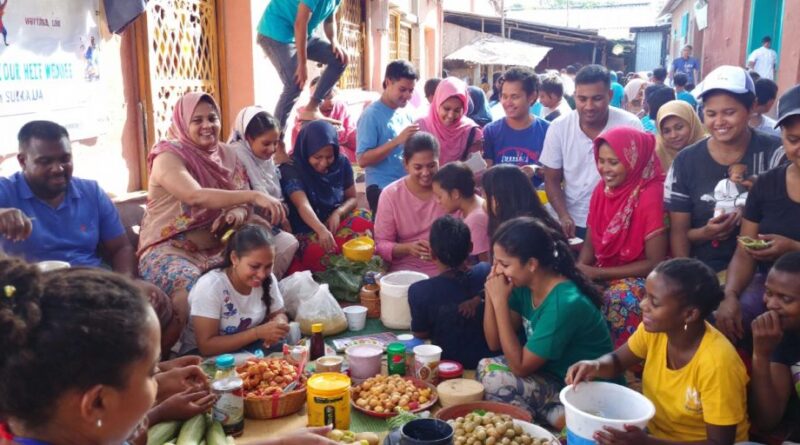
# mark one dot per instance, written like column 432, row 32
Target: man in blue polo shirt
column 46, row 214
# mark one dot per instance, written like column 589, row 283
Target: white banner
column 49, row 67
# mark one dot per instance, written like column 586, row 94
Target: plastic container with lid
column 328, row 398
column 229, row 407
column 396, row 358
column 449, row 370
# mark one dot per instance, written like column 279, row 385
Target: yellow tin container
column 329, row 400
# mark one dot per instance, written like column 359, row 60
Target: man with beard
column 46, row 214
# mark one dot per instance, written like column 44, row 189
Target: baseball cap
column 788, row 105
column 729, row 78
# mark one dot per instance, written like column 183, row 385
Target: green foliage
column 344, row 277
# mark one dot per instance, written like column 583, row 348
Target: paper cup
column 47, row 266
column 356, row 317
column 427, row 358
column 329, row 363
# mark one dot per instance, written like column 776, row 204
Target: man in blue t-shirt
column 285, row 33
column 384, row 127
column 518, row 137
column 688, row 65
column 46, row 214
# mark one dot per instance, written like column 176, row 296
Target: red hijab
column 623, row 218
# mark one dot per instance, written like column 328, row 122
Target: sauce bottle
column 317, row 347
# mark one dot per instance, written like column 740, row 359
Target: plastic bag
column 321, row 308
column 295, row 289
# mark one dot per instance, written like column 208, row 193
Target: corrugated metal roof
column 494, row 50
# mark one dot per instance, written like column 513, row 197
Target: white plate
column 536, row 431
column 574, row 241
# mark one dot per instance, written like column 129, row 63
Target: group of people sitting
column 225, row 221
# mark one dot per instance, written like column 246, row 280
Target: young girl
column 238, row 305
column 93, row 328
column 408, row 208
column 321, row 189
column 692, row 373
column 534, row 283
column 255, row 139
column 447, row 308
column 447, row 121
column 454, row 187
column 510, row 193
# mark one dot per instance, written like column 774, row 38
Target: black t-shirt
column 769, row 205
column 690, row 184
column 434, row 309
column 788, row 353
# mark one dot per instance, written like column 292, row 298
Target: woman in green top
column 534, row 284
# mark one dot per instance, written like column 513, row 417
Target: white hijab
column 264, row 175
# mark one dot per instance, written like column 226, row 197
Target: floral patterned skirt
column 536, row 393
column 176, row 265
column 621, row 308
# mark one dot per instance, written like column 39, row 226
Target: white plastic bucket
column 598, row 404
column 395, row 312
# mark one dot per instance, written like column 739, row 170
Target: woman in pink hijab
column 197, row 191
column 447, row 121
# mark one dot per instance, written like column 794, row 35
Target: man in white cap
column 727, row 94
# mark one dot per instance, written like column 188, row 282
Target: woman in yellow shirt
column 692, row 373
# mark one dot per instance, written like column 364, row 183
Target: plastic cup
column 427, row 358
column 356, row 317
column 426, row 432
column 329, row 363
column 364, row 361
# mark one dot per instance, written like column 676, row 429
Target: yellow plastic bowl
column 359, row 249
column 542, row 196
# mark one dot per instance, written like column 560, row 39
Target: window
column 350, row 21
column 399, row 38
column 684, row 25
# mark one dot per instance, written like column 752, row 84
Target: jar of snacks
column 371, row 300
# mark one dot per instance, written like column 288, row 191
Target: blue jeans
column 284, row 57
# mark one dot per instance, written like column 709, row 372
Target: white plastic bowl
column 595, row 405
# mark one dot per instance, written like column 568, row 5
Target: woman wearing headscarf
column 322, row 197
column 447, row 121
column 633, row 99
column 478, row 107
column 626, row 234
column 255, row 139
column 197, row 191
column 677, row 127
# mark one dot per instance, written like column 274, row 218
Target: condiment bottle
column 317, row 348
column 229, row 407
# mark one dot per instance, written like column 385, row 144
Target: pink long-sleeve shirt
column 402, row 217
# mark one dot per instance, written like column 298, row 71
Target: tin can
column 396, row 358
